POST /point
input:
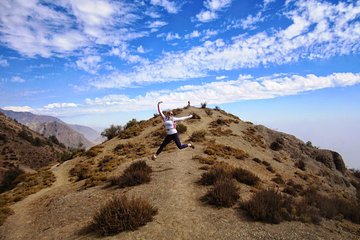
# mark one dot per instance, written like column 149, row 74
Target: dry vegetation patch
column 137, row 173
column 215, row 149
column 131, row 150
column 253, row 138
column 223, row 194
column 205, row 160
column 245, row 176
column 198, row 136
column 122, row 214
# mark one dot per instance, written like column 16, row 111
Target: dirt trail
column 62, row 211
column 17, row 225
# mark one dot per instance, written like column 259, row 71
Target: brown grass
column 245, row 176
column 198, row 136
column 122, row 214
column 268, row 206
column 181, row 128
column 253, row 138
column 94, row 151
column 224, row 151
column 131, row 150
column 4, row 213
column 137, row 173
column 224, row 194
column 301, row 165
column 205, row 160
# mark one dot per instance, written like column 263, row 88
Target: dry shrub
column 205, row 160
column 134, row 130
column 268, row 206
column 137, row 173
column 278, row 179
column 198, row 136
column 218, row 171
column 181, row 128
column 28, row 184
column 257, row 160
column 224, row 194
column 293, row 189
column 253, row 138
column 225, row 151
column 195, row 116
column 220, row 122
column 94, row 151
column 10, row 179
column 356, row 172
column 81, row 171
column 333, row 207
column 300, row 164
column 122, row 214
column 245, row 176
column 220, row 132
column 131, row 150
column 270, row 169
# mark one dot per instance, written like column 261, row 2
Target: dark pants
column 168, row 139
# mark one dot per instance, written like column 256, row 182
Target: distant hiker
column 171, row 132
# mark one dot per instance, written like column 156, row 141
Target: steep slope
column 48, row 126
column 65, row 210
column 24, row 148
column 63, row 133
column 89, row 133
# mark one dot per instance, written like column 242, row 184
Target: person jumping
column 171, row 132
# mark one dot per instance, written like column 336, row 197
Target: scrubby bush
column 198, row 136
column 224, row 194
column 215, row 174
column 208, row 112
column 112, row 131
column 276, row 146
column 300, row 164
column 245, row 176
column 137, row 173
column 205, row 160
column 181, row 128
column 9, row 179
column 195, row 116
column 268, row 206
column 80, row 171
column 122, row 214
column 131, row 123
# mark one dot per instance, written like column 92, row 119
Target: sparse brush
column 122, row 214
column 208, row 112
column 136, row 174
column 214, row 175
column 198, row 136
column 225, row 151
column 224, row 194
column 300, row 164
column 205, row 160
column 245, row 176
column 80, row 171
column 268, row 206
column 181, row 128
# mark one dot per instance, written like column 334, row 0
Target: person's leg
column 166, row 141
column 178, row 143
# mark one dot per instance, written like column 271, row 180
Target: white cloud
column 140, row 49
column 157, row 24
column 123, row 53
column 193, row 34
column 250, row 21
column 3, row 62
column 169, row 6
column 246, row 87
column 19, row 108
column 60, row 105
column 89, row 64
column 172, row 36
column 212, row 7
column 17, row 79
column 37, row 28
column 317, row 31
column 220, row 77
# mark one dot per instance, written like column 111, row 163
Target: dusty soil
column 63, row 212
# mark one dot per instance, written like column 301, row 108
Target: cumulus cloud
column 37, row 28
column 318, row 30
column 169, row 6
column 19, row 108
column 246, row 87
column 172, row 36
column 61, row 105
column 89, row 64
column 212, row 7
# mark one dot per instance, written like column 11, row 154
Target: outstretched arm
column 177, row 119
column 159, row 110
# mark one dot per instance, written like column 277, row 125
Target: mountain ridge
column 274, row 157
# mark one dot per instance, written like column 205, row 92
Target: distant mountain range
column 68, row 134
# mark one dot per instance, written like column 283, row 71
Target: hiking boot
column 191, row 145
column 153, row 157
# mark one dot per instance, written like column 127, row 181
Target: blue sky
column 290, row 65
